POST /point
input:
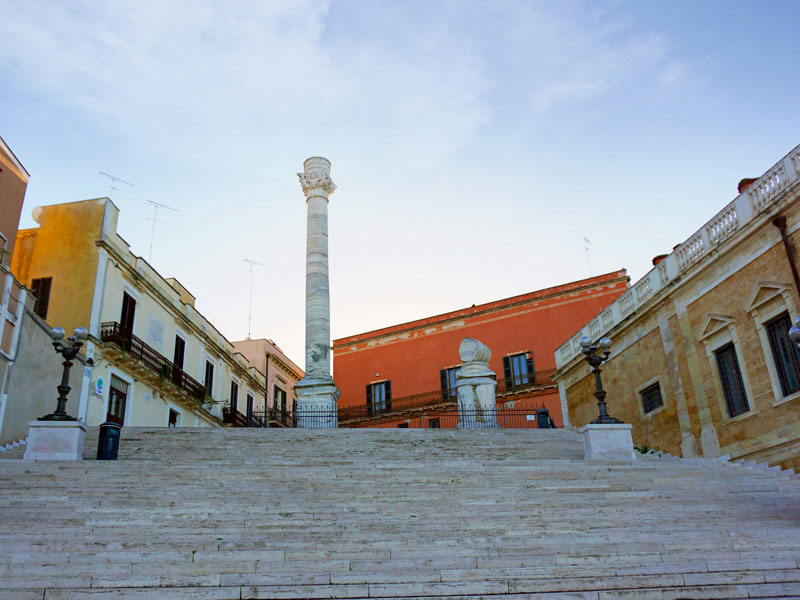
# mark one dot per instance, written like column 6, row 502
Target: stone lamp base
column 608, row 442
column 55, row 440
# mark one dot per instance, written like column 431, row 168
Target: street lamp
column 69, row 351
column 595, row 360
column 794, row 331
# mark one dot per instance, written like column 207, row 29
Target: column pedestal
column 316, row 403
column 55, row 440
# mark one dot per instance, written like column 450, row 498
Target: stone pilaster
column 316, row 392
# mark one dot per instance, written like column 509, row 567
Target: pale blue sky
column 474, row 143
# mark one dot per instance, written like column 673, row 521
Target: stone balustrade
column 759, row 197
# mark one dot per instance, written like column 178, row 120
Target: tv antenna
column 154, row 219
column 586, row 243
column 252, row 264
column 112, row 183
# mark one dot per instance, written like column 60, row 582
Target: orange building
column 13, row 181
column 414, row 364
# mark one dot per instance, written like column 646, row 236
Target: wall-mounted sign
column 530, row 417
column 99, row 386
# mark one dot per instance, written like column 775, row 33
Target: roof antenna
column 586, row 243
column 112, row 182
column 252, row 263
column 154, row 219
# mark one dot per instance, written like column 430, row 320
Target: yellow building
column 157, row 361
column 701, row 362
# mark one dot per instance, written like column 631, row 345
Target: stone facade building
column 417, row 362
column 281, row 375
column 701, row 362
column 157, row 361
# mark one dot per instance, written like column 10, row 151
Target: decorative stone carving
column 316, row 178
column 476, row 385
column 316, row 392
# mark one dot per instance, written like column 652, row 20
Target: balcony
column 148, row 363
column 516, row 387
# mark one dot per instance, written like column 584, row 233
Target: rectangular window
column 117, row 399
column 250, row 401
column 177, row 360
column 127, row 315
column 651, row 398
column 180, row 352
column 279, row 398
column 379, row 397
column 41, row 289
column 209, row 379
column 785, row 353
column 448, row 380
column 518, row 370
column 403, row 426
column 174, row 419
column 433, row 424
column 731, row 379
column 234, row 396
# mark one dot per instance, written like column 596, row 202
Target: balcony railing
column 149, row 356
column 436, row 418
column 527, row 382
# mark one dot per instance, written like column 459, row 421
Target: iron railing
column 129, row 343
column 438, row 418
column 529, row 382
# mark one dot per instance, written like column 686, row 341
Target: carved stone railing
column 759, row 197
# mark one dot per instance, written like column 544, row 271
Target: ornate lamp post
column 794, row 332
column 590, row 353
column 69, row 351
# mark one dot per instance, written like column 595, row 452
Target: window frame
column 510, row 378
column 656, row 381
column 387, row 397
column 41, row 298
column 779, row 364
column 768, row 300
column 448, row 392
column 730, row 348
column 718, row 331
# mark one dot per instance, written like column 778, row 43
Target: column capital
column 316, row 177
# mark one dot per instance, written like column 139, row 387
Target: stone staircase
column 286, row 513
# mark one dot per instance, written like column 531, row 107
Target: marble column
column 316, row 392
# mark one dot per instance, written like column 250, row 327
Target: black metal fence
column 439, row 418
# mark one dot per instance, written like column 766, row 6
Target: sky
column 474, row 144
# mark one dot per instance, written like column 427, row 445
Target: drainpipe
column 780, row 223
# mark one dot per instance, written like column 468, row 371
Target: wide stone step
column 209, row 513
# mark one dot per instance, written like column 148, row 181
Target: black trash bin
column 108, row 442
column 543, row 420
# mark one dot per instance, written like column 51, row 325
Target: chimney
column 746, row 183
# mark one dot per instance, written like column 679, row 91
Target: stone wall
column 34, row 375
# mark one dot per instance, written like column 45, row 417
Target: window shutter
column 369, row 399
column 507, row 369
column 388, row 389
column 443, row 379
column 531, row 373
